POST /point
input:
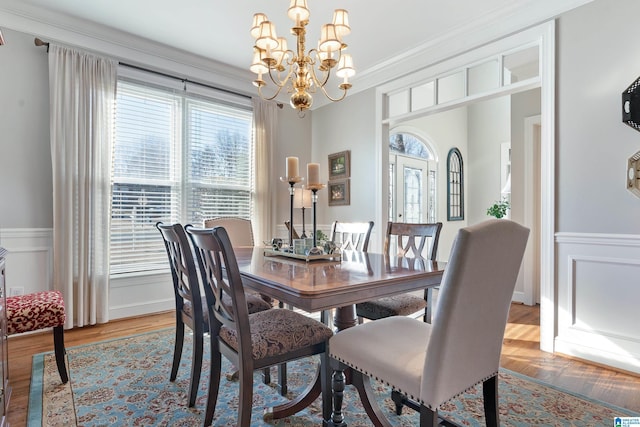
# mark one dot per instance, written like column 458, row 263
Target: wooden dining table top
column 321, row 285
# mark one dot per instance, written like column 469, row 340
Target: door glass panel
column 521, row 65
column 412, row 194
column 399, row 103
column 423, row 96
column 392, row 191
column 431, row 200
column 484, row 77
column 451, row 87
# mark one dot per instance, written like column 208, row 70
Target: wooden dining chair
column 191, row 306
column 240, row 232
column 351, row 235
column 427, row 365
column 418, row 241
column 250, row 341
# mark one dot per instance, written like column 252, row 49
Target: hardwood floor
column 520, row 353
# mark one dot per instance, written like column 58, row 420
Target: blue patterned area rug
column 125, row 382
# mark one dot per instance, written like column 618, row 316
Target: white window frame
column 188, row 95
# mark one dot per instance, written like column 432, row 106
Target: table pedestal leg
column 345, row 317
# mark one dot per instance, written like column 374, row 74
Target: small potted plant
column 499, row 209
column 320, row 237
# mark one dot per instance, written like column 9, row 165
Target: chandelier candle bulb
column 292, row 168
column 313, row 173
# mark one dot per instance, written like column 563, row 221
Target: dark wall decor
column 339, row 192
column 455, row 186
column 340, row 165
column 339, row 182
column 631, row 105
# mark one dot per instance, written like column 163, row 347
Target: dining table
column 339, row 283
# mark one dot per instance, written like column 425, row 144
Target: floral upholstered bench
column 39, row 310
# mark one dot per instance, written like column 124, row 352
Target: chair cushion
column 254, row 303
column 279, row 331
column 397, row 305
column 188, row 310
column 26, row 313
column 391, row 350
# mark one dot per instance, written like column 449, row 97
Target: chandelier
column 303, row 72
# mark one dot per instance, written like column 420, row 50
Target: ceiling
column 219, row 29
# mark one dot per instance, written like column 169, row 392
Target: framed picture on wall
column 339, row 165
column 339, row 192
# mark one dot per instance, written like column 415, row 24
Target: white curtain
column 82, row 90
column 264, row 129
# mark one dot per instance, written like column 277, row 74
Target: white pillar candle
column 292, row 168
column 313, row 173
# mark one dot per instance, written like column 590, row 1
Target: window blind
column 176, row 158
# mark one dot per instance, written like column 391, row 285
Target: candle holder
column 314, row 200
column 292, row 180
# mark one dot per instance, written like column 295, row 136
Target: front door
column 412, row 192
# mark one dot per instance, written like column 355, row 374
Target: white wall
column 523, row 105
column 598, row 225
column 25, row 153
column 488, row 127
column 348, row 125
column 594, row 67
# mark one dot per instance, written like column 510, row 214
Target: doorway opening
column 412, row 179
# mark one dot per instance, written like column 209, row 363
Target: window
column 455, row 186
column 177, row 158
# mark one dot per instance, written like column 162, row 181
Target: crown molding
column 124, row 47
column 482, row 31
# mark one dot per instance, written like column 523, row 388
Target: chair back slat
column 472, row 309
column 352, row 236
column 221, row 277
column 411, row 239
column 183, row 270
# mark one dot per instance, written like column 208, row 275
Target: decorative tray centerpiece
column 304, row 249
column 305, row 257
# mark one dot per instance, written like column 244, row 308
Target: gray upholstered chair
column 351, row 235
column 411, row 240
column 240, row 230
column 253, row 341
column 429, row 364
column 190, row 304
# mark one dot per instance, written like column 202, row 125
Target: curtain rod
column 40, row 42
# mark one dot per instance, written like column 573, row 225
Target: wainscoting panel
column 30, row 259
column 137, row 295
column 598, row 294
